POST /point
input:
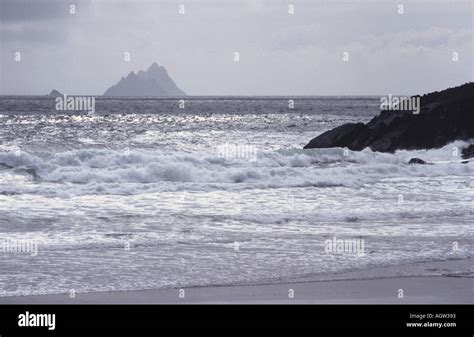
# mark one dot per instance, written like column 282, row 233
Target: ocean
column 151, row 193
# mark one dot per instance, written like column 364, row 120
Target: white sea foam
column 92, row 171
column 69, row 182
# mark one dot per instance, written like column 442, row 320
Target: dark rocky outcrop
column 154, row 82
column 444, row 117
column 350, row 135
column 468, row 152
column 417, row 161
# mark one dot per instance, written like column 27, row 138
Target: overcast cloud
column 280, row 53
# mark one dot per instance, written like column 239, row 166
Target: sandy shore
column 420, row 290
column 380, row 285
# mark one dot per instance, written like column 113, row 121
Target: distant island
column 443, row 117
column 155, row 81
column 54, row 93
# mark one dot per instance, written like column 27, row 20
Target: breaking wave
column 103, row 171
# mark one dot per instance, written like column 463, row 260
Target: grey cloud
column 32, row 10
column 280, row 53
column 30, row 33
column 38, row 21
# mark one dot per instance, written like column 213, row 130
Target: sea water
column 149, row 193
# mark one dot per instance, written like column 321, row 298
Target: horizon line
column 208, row 95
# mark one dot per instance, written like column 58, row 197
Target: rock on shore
column 444, row 117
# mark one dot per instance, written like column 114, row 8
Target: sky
column 339, row 47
